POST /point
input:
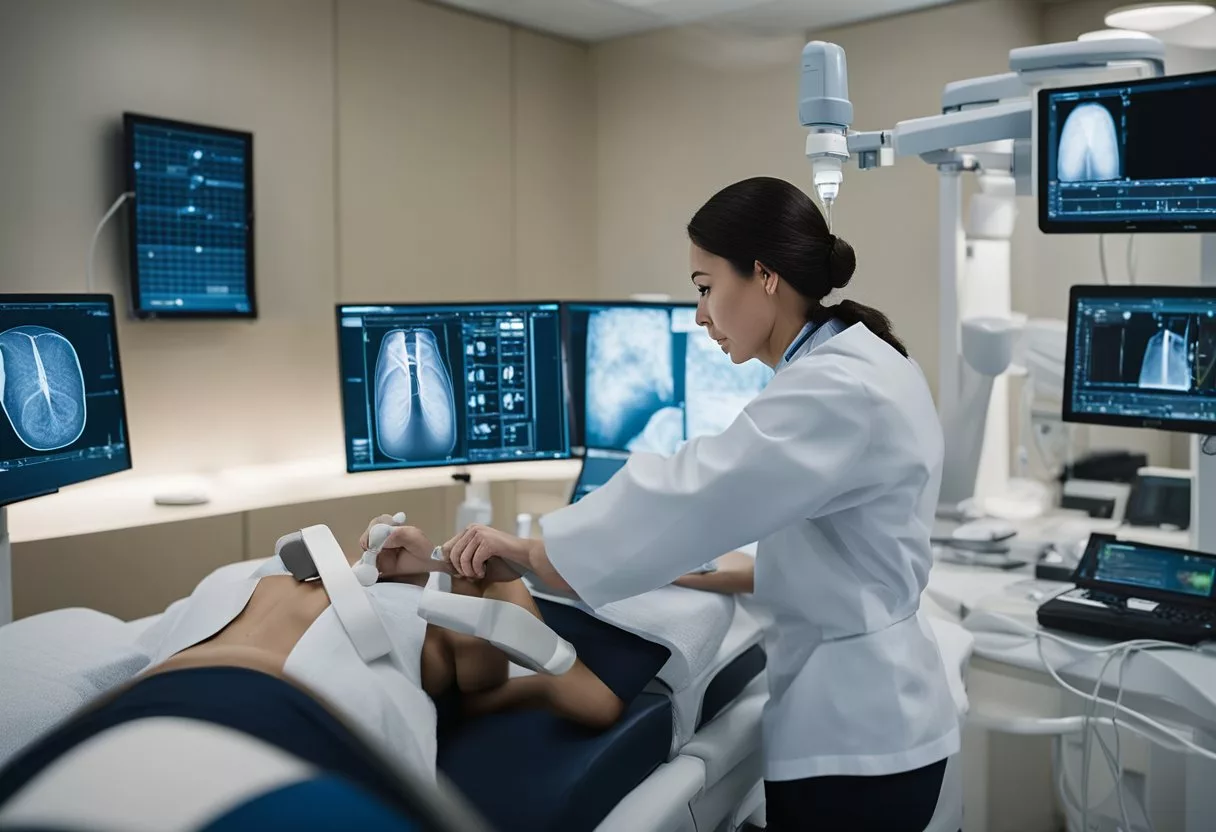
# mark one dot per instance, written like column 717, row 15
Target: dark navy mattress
column 530, row 770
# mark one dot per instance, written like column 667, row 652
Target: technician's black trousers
column 902, row 802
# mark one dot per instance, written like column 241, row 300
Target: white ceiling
column 597, row 20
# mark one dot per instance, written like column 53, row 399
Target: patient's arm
column 480, row 671
column 736, row 574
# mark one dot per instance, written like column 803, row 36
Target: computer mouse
column 988, row 530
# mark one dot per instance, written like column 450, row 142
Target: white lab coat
column 835, row 468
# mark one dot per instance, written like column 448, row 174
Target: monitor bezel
column 1082, row 575
column 1141, row 226
column 456, row 466
column 81, row 298
column 130, row 121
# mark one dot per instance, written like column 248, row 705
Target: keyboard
column 1121, row 618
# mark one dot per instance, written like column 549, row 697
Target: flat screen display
column 451, row 384
column 191, row 229
column 64, row 416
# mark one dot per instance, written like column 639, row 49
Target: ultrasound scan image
column 631, row 401
column 1089, row 145
column 1167, row 361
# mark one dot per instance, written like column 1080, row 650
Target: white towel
column 688, row 622
column 53, row 664
column 686, row 704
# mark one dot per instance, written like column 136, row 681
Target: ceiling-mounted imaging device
column 191, row 232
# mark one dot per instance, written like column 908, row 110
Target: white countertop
column 128, row 502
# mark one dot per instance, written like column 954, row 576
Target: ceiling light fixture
column 1157, row 17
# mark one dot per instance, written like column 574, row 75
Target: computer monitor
column 64, row 418
column 451, row 384
column 645, row 377
column 1142, row 356
column 1128, row 156
column 599, row 466
column 191, row 230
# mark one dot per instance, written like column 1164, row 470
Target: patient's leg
column 577, row 695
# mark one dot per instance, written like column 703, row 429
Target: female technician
column 835, row 469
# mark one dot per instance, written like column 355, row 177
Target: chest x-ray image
column 631, row 396
column 415, row 405
column 1089, row 145
column 42, row 387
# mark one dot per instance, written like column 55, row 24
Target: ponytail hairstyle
column 771, row 222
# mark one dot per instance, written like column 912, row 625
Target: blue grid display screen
column 192, row 225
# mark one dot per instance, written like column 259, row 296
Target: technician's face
column 737, row 312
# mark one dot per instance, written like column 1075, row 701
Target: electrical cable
column 1206, row 445
column 1131, row 259
column 97, row 235
column 1102, row 258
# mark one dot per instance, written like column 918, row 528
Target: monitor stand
column 6, row 570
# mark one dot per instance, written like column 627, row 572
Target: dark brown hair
column 773, row 223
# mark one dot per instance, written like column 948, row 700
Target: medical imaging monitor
column 1142, row 356
column 191, row 228
column 599, row 466
column 64, row 418
column 645, row 377
column 451, row 384
column 1129, row 156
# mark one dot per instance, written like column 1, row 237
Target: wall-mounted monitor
column 191, row 234
column 1129, row 156
column 646, row 377
column 428, row 385
column 63, row 417
column 1142, row 356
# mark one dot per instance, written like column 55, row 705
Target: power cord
column 1102, row 258
column 1207, row 445
column 97, row 235
column 1114, row 760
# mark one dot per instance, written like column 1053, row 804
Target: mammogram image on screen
column 1089, row 145
column 717, row 389
column 415, row 405
column 42, row 387
column 631, row 398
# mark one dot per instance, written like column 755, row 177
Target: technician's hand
column 479, row 553
column 406, row 551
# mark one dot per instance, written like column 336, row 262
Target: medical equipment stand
column 6, row 570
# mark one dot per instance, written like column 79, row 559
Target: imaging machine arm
column 986, row 126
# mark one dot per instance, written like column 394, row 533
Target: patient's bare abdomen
column 415, row 405
column 1089, row 146
column 41, row 387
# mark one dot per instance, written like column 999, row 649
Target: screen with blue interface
column 1142, row 356
column 61, row 390
column 191, row 231
column 645, row 377
column 599, row 466
column 1128, row 156
column 452, row 384
column 1148, row 567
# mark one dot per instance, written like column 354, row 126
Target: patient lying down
column 281, row 610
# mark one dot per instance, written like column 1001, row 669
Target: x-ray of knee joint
column 415, row 408
column 1089, row 145
column 42, row 387
column 629, row 378
column 1166, row 365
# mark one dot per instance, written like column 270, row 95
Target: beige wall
column 402, row 152
column 685, row 112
